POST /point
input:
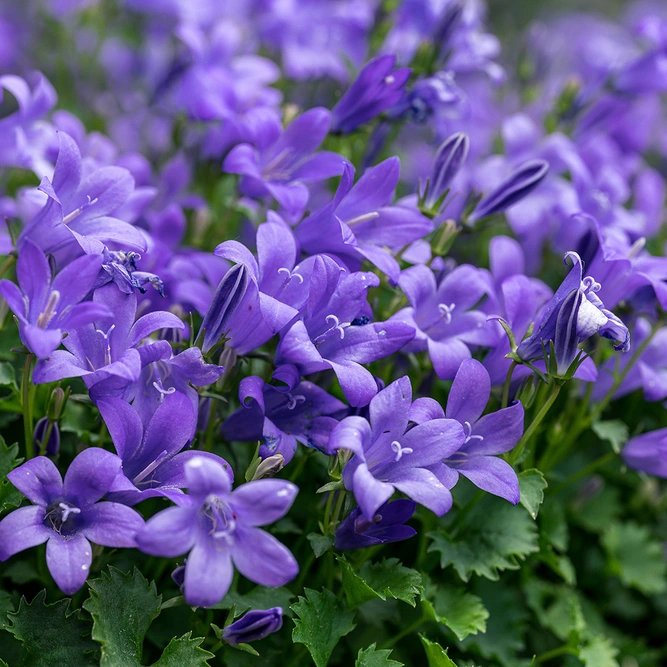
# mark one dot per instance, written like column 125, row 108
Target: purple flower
column 485, row 437
column 377, row 87
column 48, row 308
column 443, row 317
column 336, row 332
column 360, row 223
column 219, row 530
column 387, row 525
column 283, row 415
column 253, row 626
column 67, row 515
column 153, row 463
column 389, row 456
column 648, row 452
column 574, row 314
column 107, row 347
column 519, row 184
column 281, row 162
column 78, row 216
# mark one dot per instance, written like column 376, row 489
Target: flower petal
column 69, row 561
column 112, row 524
column 263, row 501
column 22, row 529
column 208, row 575
column 262, row 558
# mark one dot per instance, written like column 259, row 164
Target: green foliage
column 51, row 634
column 436, row 656
column 613, row 431
column 599, row 652
column 258, row 598
column 320, row 543
column 372, row 657
column 322, row 621
column 532, row 485
column 496, row 537
column 184, row 652
column 10, row 496
column 635, row 557
column 462, row 612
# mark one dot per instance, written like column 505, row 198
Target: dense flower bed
column 329, row 324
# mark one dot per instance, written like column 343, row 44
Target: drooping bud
column 519, row 184
column 225, row 301
column 253, row 626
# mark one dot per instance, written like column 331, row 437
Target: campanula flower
column 648, row 452
column 219, row 529
column 68, row 515
column 253, row 626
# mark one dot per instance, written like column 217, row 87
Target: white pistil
column 107, row 351
column 291, row 274
column 446, row 311
column 163, row 392
column 50, row 310
column 396, row 446
column 78, row 211
column 467, row 429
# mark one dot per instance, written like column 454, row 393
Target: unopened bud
column 269, row 466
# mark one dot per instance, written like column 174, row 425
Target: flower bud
column 448, row 160
column 519, row 184
column 56, row 404
column 47, row 436
column 269, row 466
column 254, row 625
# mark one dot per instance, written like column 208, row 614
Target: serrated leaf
column 50, row 635
column 462, row 612
column 184, row 652
column 532, row 485
column 496, row 537
column 436, row 656
column 322, row 621
column 599, row 652
column 357, row 591
column 10, row 496
column 372, row 657
column 613, row 431
column 320, row 543
column 391, row 579
column 122, row 606
column 635, row 557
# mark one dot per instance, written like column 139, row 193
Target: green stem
column 405, row 632
column 585, row 472
column 506, row 386
column 27, row 397
column 337, row 509
column 7, row 264
column 530, row 431
column 554, row 653
column 327, row 512
column 465, row 510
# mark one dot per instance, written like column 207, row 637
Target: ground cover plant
column 333, row 333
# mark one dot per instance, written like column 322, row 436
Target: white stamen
column 362, row 218
column 396, row 446
column 50, row 310
column 446, row 311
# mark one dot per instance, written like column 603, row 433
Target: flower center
column 396, row 446
column 446, row 311
column 294, row 400
column 221, row 521
column 140, row 479
column 335, row 325
column 61, row 516
column 107, row 343
column 163, row 392
column 291, row 274
column 361, row 525
column 467, row 430
column 78, row 211
column 50, row 310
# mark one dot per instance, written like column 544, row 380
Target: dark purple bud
column 254, row 625
column 378, row 87
column 448, row 160
column 356, row 532
column 515, row 187
column 225, row 301
column 47, row 436
column 178, row 575
column 449, row 23
column 566, row 339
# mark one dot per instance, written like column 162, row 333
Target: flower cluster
column 318, row 245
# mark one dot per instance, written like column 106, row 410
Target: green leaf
column 258, row 598
column 322, row 621
column 8, row 376
column 635, row 557
column 463, row 613
column 372, row 657
column 122, row 606
column 184, row 652
column 496, row 537
column 391, row 579
column 320, row 543
column 613, row 431
column 436, row 656
column 599, row 652
column 532, row 485
column 10, row 496
column 51, row 635
column 357, row 591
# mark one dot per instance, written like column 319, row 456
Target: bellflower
column 281, row 162
column 387, row 525
column 67, row 515
column 485, row 437
column 360, row 223
column 377, row 87
column 78, row 216
column 48, row 308
column 574, row 314
column 444, row 317
column 153, row 463
column 389, row 456
column 648, row 452
column 283, row 415
column 219, row 528
column 108, row 346
column 253, row 626
column 336, row 332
